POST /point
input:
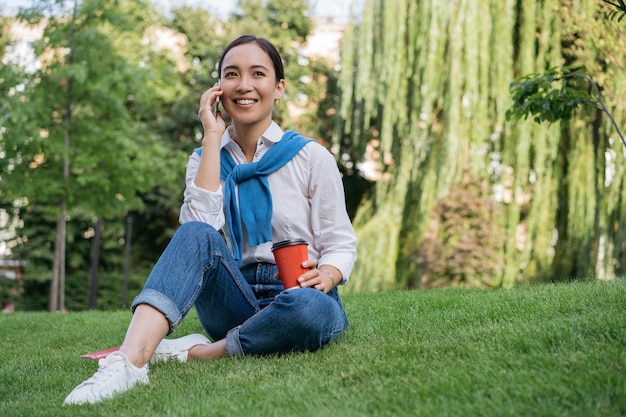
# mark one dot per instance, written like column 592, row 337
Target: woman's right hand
column 213, row 124
column 208, row 173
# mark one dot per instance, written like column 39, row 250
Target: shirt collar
column 272, row 135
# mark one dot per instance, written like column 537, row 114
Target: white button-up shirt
column 307, row 197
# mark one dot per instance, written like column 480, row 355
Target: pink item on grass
column 100, row 354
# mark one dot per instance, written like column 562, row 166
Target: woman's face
column 248, row 81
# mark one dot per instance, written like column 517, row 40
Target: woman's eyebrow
column 253, row 67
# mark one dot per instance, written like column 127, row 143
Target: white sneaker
column 177, row 349
column 115, row 375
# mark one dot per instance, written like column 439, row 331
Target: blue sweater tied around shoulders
column 255, row 198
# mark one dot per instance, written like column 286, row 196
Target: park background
column 443, row 189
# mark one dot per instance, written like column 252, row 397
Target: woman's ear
column 280, row 90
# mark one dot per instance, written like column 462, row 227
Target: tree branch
column 621, row 6
column 604, row 108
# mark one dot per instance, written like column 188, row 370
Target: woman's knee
column 312, row 308
column 198, row 232
column 195, row 228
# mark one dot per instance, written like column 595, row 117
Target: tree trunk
column 95, row 261
column 127, row 247
column 57, row 287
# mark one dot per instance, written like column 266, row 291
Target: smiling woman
column 251, row 81
column 249, row 186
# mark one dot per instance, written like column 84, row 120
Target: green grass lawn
column 545, row 350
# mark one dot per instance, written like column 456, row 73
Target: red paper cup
column 289, row 255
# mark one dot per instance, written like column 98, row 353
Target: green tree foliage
column 203, row 43
column 285, row 22
column 554, row 96
column 71, row 129
column 425, row 85
column 547, row 97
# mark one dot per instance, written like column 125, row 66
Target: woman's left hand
column 324, row 278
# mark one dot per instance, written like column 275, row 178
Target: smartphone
column 216, row 106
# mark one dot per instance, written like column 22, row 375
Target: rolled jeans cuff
column 233, row 346
column 160, row 302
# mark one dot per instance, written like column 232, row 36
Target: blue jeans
column 247, row 306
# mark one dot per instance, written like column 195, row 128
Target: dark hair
column 265, row 45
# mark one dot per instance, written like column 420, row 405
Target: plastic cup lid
column 289, row 242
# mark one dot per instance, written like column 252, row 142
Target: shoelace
column 105, row 370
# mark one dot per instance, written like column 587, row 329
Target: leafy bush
column 463, row 245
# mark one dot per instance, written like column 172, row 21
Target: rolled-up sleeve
column 334, row 234
column 200, row 204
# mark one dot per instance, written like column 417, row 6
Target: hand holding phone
column 209, row 104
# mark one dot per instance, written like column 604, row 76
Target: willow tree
column 424, row 97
